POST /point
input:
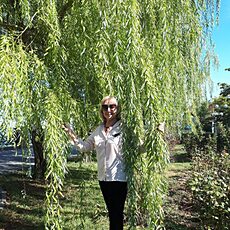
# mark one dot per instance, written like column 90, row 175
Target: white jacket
column 108, row 147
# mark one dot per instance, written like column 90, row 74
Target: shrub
column 210, row 183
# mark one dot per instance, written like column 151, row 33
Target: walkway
column 12, row 161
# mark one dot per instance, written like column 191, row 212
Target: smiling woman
column 107, row 141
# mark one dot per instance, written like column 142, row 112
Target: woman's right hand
column 66, row 127
column 69, row 131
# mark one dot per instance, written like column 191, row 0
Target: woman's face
column 109, row 109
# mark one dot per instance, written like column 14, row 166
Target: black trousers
column 114, row 193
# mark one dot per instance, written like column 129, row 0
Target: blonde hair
column 118, row 114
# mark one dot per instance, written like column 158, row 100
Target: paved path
column 12, row 160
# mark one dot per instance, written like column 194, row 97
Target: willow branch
column 64, row 9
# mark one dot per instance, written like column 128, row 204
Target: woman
column 107, row 141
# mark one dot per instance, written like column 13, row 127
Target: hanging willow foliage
column 59, row 58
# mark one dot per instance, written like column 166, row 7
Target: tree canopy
column 59, row 58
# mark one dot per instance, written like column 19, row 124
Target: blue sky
column 221, row 38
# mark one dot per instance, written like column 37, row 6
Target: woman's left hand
column 161, row 127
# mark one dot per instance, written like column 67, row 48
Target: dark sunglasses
column 106, row 107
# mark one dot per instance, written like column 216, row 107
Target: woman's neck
column 110, row 123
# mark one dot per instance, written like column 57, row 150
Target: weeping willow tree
column 59, row 58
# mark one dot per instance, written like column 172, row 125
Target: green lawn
column 83, row 205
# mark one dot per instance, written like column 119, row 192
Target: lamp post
column 215, row 114
column 214, row 121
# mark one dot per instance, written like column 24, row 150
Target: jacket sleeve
column 85, row 145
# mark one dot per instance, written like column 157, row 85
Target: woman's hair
column 118, row 115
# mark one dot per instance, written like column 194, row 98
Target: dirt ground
column 179, row 208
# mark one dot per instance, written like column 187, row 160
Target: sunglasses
column 106, row 107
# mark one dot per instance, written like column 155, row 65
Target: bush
column 210, row 183
column 211, row 190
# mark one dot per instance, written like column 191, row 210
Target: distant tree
column 225, row 89
column 222, row 104
column 216, row 111
column 59, row 58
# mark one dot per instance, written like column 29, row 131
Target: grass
column 25, row 198
column 83, row 204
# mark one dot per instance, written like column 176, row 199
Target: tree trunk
column 39, row 158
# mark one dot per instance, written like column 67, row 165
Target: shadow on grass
column 25, row 207
column 80, row 172
column 83, row 203
column 24, row 203
column 183, row 157
column 173, row 225
column 180, row 155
